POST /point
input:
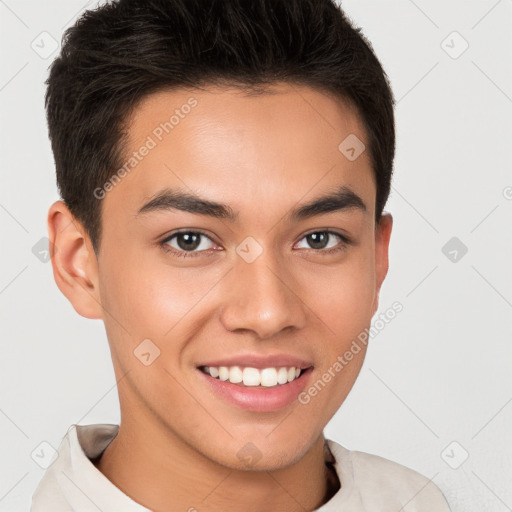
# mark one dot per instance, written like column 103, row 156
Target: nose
column 262, row 298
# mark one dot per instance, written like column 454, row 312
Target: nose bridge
column 261, row 297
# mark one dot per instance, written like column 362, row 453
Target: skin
column 262, row 155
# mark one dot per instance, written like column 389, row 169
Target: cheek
column 148, row 297
column 343, row 296
column 132, row 301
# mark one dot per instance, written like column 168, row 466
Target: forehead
column 224, row 144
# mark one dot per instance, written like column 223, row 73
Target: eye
column 319, row 241
column 186, row 244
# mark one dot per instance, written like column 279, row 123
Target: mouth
column 261, row 390
column 255, row 377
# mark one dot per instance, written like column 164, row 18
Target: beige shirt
column 368, row 483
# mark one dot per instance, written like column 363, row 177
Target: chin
column 250, row 455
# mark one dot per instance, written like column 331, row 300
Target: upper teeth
column 253, row 376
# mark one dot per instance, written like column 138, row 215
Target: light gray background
column 436, row 385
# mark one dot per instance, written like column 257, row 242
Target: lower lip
column 259, row 398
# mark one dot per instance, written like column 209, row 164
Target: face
column 256, row 281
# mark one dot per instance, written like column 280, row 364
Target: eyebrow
column 167, row 199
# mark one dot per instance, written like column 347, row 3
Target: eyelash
column 192, row 254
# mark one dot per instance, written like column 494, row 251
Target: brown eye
column 318, row 240
column 188, row 241
column 184, row 242
column 326, row 241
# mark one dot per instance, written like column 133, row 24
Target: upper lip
column 259, row 361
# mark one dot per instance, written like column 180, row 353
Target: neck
column 161, row 472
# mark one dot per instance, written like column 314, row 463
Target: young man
column 223, row 166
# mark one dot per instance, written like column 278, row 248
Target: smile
column 256, row 389
column 253, row 377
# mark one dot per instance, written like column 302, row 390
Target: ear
column 382, row 237
column 75, row 267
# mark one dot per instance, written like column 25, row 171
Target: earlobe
column 74, row 262
column 382, row 238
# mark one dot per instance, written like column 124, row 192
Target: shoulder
column 70, row 475
column 378, row 481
